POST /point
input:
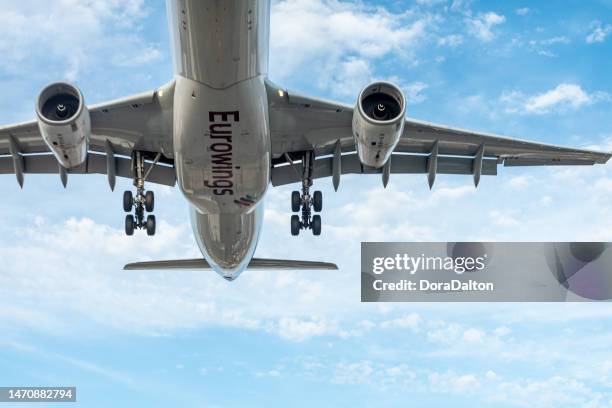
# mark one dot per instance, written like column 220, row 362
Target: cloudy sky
column 70, row 316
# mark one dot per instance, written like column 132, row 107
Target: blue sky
column 70, row 316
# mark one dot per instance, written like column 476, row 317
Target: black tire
column 295, row 225
column 149, row 201
column 129, row 225
column 316, row 225
column 128, row 201
column 317, row 201
column 296, row 201
column 151, row 225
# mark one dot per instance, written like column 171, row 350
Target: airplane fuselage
column 221, row 130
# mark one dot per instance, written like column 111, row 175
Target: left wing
column 140, row 122
column 299, row 123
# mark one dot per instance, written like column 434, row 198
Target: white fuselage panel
column 221, row 125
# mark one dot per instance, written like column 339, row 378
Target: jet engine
column 64, row 123
column 378, row 122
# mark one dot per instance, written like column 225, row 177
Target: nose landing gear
column 306, row 202
column 143, row 201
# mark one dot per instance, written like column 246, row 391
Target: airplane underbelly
column 220, row 42
column 222, row 145
column 227, row 241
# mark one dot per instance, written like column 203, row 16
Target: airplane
column 224, row 133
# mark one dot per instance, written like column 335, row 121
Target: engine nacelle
column 64, row 123
column 378, row 122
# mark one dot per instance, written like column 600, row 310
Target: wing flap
column 95, row 164
column 526, row 161
column 400, row 164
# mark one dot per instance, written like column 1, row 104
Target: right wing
column 140, row 122
column 301, row 123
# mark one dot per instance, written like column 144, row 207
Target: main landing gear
column 143, row 201
column 306, row 202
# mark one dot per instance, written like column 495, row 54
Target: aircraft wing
column 300, row 123
column 140, row 122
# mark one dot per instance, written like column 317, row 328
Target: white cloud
column 444, row 194
column 542, row 47
column 350, row 75
column 410, row 321
column 519, row 182
column 563, row 95
column 600, row 32
column 430, row 2
column 503, row 219
column 450, row 382
column 269, row 373
column 502, row 331
column 473, row 336
column 547, row 53
column 344, row 45
column 353, row 373
column 77, row 274
column 300, row 330
column 444, row 333
column 452, row 40
column 555, row 391
column 144, row 56
column 482, row 25
column 414, row 92
column 562, row 98
column 73, row 36
column 523, row 11
column 546, row 201
column 561, row 39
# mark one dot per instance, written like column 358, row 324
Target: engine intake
column 378, row 122
column 64, row 123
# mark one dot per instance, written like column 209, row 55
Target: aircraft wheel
column 128, row 201
column 149, row 201
column 317, row 201
column 295, row 225
column 129, row 225
column 151, row 225
column 296, row 201
column 316, row 225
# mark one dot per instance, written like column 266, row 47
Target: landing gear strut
column 306, row 202
column 143, row 201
